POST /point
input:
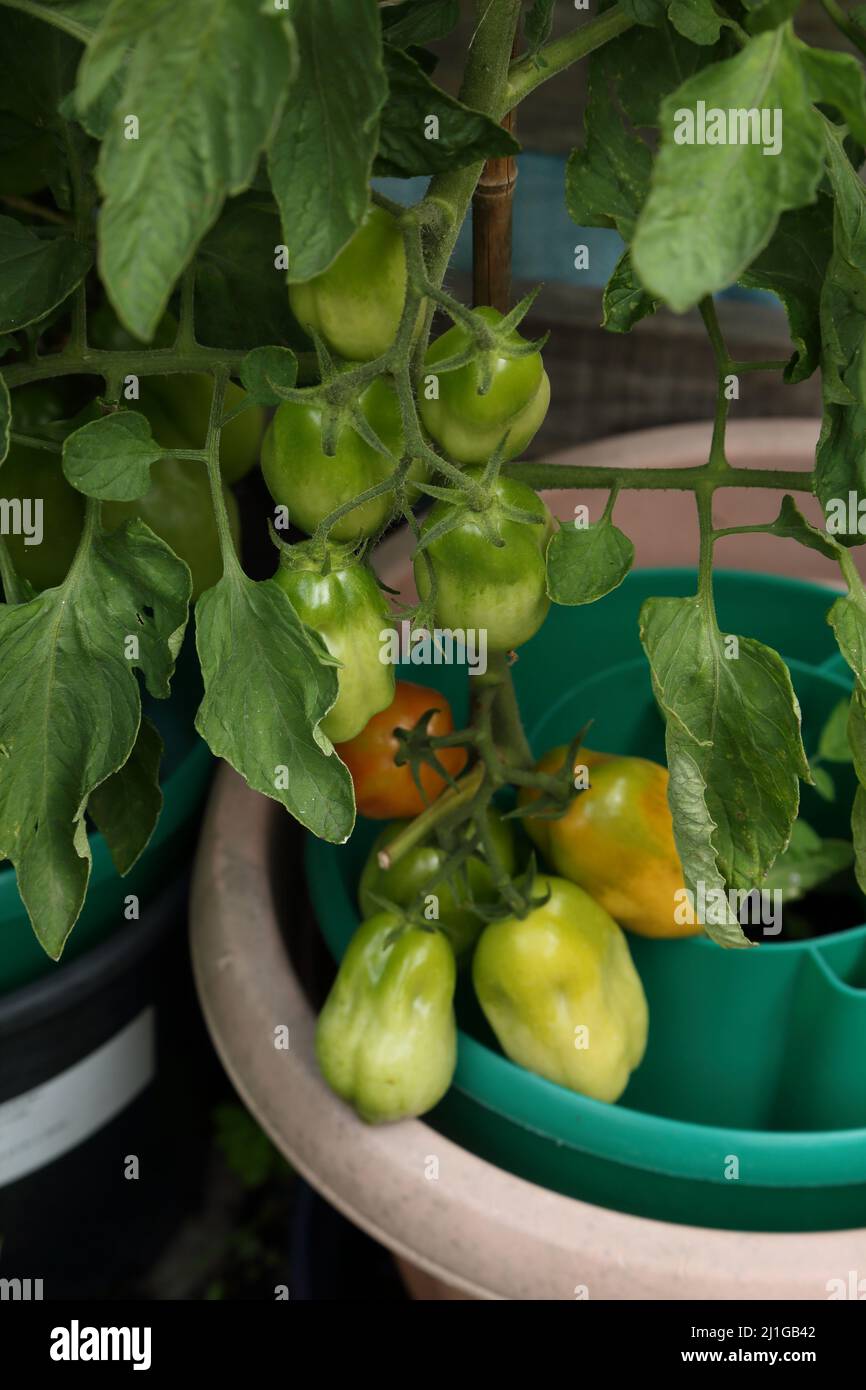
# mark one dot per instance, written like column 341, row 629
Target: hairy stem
column 527, row 73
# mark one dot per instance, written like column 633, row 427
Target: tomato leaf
column 110, row 458
column 36, row 273
column 240, row 296
column 792, row 525
column 266, row 692
column 538, row 23
column 625, row 301
column 840, row 460
column 126, row 806
column 205, row 87
column 836, row 79
column 833, row 745
column 606, row 181
column 321, row 157
column 712, row 209
column 266, row 367
column 843, row 297
column 410, row 143
column 792, row 266
column 419, row 21
column 649, row 12
column 697, row 20
column 807, row 862
column 769, row 14
column 734, row 747
column 70, row 707
column 586, row 562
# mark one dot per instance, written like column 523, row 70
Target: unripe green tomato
column 386, row 1039
column 468, row 426
column 347, row 609
column 178, row 407
column 498, row 589
column 301, row 477
column 402, row 883
column 356, row 304
column 36, row 473
column 560, row 991
column 178, row 509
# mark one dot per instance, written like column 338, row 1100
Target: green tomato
column 356, row 304
column 178, row 509
column 564, row 967
column 178, row 407
column 386, row 1039
column 469, row 426
column 347, row 609
column 498, row 589
column 311, row 484
column 36, row 474
column 412, row 874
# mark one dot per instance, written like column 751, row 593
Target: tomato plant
column 167, row 282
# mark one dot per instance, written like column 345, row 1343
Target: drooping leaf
column 111, row 458
column 37, row 273
column 70, row 706
column 843, row 293
column 586, row 562
column 206, row 87
column 411, row 144
column 266, row 693
column 607, row 179
column 712, row 208
column 625, row 302
column 126, row 806
column 792, row 266
column 840, row 466
column 419, row 21
column 322, row 155
column 735, row 752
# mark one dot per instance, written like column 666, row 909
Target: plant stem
column 575, row 475
column 508, row 735
column 51, row 15
column 845, row 25
column 451, row 801
column 527, row 73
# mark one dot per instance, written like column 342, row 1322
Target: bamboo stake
column 491, row 228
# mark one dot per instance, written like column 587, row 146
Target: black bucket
column 106, row 1079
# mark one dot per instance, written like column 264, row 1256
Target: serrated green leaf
column 266, row 693
column 840, row 466
column 606, row 181
column 111, row 458
column 625, row 301
column 731, row 711
column 586, row 562
column 206, row 87
column 843, row 293
column 126, row 807
column 836, row 79
column 321, row 157
column 711, row 209
column 792, row 266
column 463, row 136
column 265, row 367
column 68, row 661
column 37, row 273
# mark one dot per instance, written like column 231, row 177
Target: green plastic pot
column 749, row 1109
column 186, row 769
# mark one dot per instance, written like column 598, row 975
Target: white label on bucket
column 40, row 1125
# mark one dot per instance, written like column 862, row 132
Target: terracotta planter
column 461, row 1227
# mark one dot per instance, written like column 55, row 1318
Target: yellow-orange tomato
column 384, row 791
column 616, row 841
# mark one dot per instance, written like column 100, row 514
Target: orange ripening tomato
column 616, row 841
column 382, row 790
